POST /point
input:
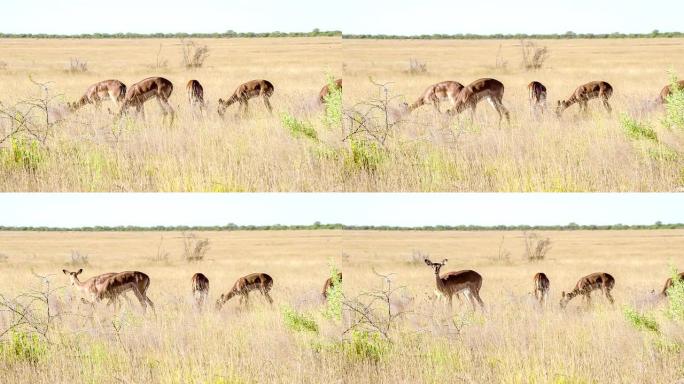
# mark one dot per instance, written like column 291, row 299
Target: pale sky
column 400, row 209
column 351, row 16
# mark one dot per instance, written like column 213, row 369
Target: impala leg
column 606, row 292
column 268, row 104
column 476, row 294
column 607, row 105
column 268, row 297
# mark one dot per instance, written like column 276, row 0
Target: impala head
column 71, row 106
column 222, row 105
column 565, row 298
column 435, row 266
column 73, row 276
column 560, row 106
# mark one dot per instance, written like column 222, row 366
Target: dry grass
column 577, row 153
column 88, row 152
column 514, row 341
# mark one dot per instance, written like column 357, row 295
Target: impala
column 255, row 281
column 153, row 87
column 330, row 282
column 452, row 283
column 599, row 280
column 669, row 283
column 490, row 89
column 582, row 94
column 537, row 97
column 98, row 92
column 541, row 287
column 436, row 93
column 325, row 91
column 246, row 91
column 667, row 90
column 200, row 289
column 110, row 286
column 196, row 95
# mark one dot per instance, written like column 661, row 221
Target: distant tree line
column 228, row 34
column 519, row 36
column 320, row 226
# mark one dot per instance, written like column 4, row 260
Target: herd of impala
column 160, row 88
column 111, row 286
column 460, row 97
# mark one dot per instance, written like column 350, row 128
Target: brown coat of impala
column 667, row 90
column 490, row 89
column 329, row 283
column 596, row 281
column 585, row 92
column 436, row 93
column 200, row 289
column 151, row 88
column 537, row 97
column 541, row 287
column 113, row 90
column 111, row 285
column 195, row 95
column 246, row 91
column 452, row 283
column 669, row 283
column 243, row 286
column 325, row 91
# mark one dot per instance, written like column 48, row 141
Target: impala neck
column 438, row 280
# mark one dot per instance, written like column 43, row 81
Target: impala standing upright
column 110, row 286
column 452, row 283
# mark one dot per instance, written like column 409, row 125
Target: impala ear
column 427, row 261
column 444, row 261
column 64, row 271
column 220, row 101
column 79, row 272
column 563, row 294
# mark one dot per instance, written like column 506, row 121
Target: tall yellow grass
column 513, row 341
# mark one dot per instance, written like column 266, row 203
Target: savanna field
column 595, row 152
column 410, row 335
column 367, row 144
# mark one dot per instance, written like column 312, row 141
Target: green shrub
column 24, row 153
column 333, row 307
column 23, row 347
column 297, row 127
column 641, row 321
column 674, row 105
column 366, row 345
column 298, row 322
column 333, row 105
column 637, row 130
column 675, row 295
column 366, row 155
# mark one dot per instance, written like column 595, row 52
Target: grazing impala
column 669, row 283
column 325, row 91
column 329, row 283
column 144, row 90
column 599, row 280
column 196, row 95
column 200, row 289
column 452, row 283
column 490, row 89
column 110, row 286
column 98, row 92
column 667, row 90
column 541, row 287
column 537, row 96
column 246, row 91
column 436, row 93
column 582, row 94
column 255, row 281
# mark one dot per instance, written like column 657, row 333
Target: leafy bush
column 333, row 105
column 675, row 295
column 366, row 345
column 674, row 106
column 641, row 321
column 637, row 130
column 366, row 155
column 333, row 307
column 25, row 153
column 298, row 128
column 298, row 322
column 23, row 347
